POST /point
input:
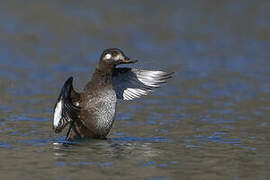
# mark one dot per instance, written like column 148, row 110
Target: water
column 210, row 122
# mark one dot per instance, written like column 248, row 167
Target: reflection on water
column 114, row 148
column 210, row 122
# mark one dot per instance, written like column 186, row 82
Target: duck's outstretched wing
column 67, row 107
column 130, row 83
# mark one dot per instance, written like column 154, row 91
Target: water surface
column 210, row 122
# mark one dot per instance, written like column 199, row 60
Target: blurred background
column 211, row 121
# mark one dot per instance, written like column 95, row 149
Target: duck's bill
column 128, row 61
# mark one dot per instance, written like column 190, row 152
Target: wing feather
column 64, row 110
column 134, row 83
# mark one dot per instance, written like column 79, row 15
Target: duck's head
column 114, row 56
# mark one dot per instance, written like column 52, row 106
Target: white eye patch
column 108, row 56
column 118, row 57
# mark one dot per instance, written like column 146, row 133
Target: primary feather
column 134, row 83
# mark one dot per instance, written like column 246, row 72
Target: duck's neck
column 102, row 76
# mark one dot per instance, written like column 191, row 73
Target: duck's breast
column 103, row 108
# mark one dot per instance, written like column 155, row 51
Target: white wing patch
column 151, row 78
column 132, row 93
column 134, row 83
column 57, row 114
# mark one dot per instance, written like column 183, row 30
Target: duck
column 91, row 113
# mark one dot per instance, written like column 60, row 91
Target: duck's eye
column 107, row 56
